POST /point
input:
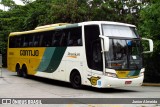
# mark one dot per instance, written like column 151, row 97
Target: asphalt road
column 12, row 86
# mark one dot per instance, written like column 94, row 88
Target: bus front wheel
column 75, row 79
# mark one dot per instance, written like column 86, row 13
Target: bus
column 100, row 54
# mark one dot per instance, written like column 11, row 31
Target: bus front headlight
column 111, row 74
column 141, row 74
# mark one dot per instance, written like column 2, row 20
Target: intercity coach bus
column 96, row 53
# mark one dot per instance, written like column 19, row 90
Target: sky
column 19, row 2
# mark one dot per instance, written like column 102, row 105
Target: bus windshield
column 124, row 54
column 125, row 48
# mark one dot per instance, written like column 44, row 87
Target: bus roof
column 42, row 28
column 108, row 22
column 67, row 25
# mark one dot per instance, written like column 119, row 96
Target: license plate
column 128, row 82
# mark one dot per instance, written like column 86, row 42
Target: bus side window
column 36, row 40
column 75, row 37
column 16, row 41
column 54, row 39
column 19, row 41
column 69, row 40
column 12, row 41
column 79, row 41
column 30, row 40
column 75, row 42
column 46, row 39
column 25, row 44
column 63, row 40
column 27, row 40
column 30, row 43
column 58, row 38
column 55, row 42
column 40, row 39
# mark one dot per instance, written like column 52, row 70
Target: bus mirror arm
column 105, row 42
column 150, row 45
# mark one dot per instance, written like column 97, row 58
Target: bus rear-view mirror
column 148, row 45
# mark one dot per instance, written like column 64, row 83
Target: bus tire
column 24, row 71
column 75, row 79
column 18, row 70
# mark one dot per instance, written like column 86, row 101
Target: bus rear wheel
column 18, row 70
column 24, row 71
column 75, row 79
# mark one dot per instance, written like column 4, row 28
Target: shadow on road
column 87, row 88
column 108, row 90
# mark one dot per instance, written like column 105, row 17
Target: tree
column 126, row 11
column 27, row 1
column 149, row 27
column 7, row 3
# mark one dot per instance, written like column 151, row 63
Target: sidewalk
column 151, row 84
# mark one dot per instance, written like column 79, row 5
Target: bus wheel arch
column 24, row 71
column 75, row 79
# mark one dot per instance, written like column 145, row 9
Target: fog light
column 109, row 85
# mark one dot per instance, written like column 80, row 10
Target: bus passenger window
column 54, row 42
column 12, row 41
column 70, row 43
column 19, row 41
column 69, row 40
column 30, row 44
column 58, row 37
column 35, row 43
column 63, row 40
column 75, row 37
column 25, row 44
column 79, row 41
column 75, row 43
column 27, row 40
column 37, row 40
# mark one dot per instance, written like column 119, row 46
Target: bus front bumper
column 109, row 82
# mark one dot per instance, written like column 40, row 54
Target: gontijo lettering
column 29, row 53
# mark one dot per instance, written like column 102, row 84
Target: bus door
column 93, row 53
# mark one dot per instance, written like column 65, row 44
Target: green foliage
column 27, row 1
column 8, row 3
column 149, row 27
column 126, row 11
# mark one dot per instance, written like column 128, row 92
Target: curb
column 151, row 84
